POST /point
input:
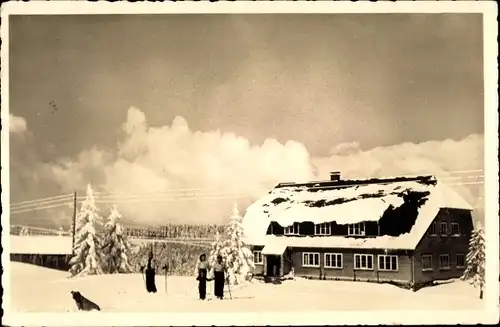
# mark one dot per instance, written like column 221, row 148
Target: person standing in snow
column 201, row 270
column 219, row 277
column 150, row 275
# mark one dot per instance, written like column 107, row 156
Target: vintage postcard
column 249, row 163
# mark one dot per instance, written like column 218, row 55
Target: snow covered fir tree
column 474, row 272
column 116, row 248
column 24, row 231
column 238, row 258
column 87, row 259
column 217, row 249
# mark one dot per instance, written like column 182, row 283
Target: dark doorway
column 273, row 265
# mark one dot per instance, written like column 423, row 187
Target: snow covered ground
column 36, row 289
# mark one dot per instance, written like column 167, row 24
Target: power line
column 132, row 201
column 106, row 197
column 133, row 198
column 466, row 183
column 461, row 177
column 41, row 200
column 138, row 199
column 31, row 205
column 171, row 199
column 463, row 171
column 194, row 196
column 40, row 208
column 166, row 192
column 162, row 195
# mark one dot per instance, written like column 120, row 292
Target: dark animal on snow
column 83, row 303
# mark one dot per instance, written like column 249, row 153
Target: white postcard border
column 491, row 312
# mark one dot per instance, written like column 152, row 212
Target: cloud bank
column 152, row 161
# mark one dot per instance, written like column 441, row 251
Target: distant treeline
column 34, row 231
column 165, row 231
column 176, row 231
column 181, row 258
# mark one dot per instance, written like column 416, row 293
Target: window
column 444, row 229
column 257, row 257
column 310, row 259
column 432, row 229
column 322, row 229
column 292, row 230
column 363, row 261
column 427, row 262
column 388, row 262
column 455, row 230
column 357, row 229
column 333, row 260
column 444, row 262
column 460, row 260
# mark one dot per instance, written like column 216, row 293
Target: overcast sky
column 320, row 80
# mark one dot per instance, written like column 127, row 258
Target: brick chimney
column 335, row 176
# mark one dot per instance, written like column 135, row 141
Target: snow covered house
column 406, row 230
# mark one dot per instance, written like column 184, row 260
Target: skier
column 202, row 269
column 150, row 275
column 219, row 279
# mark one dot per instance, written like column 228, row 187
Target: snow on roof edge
column 258, row 215
column 441, row 196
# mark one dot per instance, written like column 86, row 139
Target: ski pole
column 143, row 276
column 165, row 267
column 229, row 289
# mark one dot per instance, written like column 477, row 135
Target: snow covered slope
column 37, row 289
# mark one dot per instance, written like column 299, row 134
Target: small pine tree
column 239, row 259
column 475, row 260
column 116, row 249
column 87, row 259
column 24, row 231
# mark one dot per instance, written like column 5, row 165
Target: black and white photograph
column 249, row 163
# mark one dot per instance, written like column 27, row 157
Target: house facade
column 408, row 231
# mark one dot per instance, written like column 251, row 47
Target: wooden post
column 282, row 265
column 74, row 224
column 264, row 266
column 412, row 258
column 166, row 273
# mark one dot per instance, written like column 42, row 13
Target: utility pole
column 74, row 224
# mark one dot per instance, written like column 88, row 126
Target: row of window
column 443, row 229
column 444, row 261
column 335, row 260
column 357, row 229
column 365, row 261
column 361, row 261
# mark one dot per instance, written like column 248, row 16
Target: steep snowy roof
column 347, row 204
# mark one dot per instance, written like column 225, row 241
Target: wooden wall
column 53, row 261
column 451, row 245
column 259, row 268
column 403, row 275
